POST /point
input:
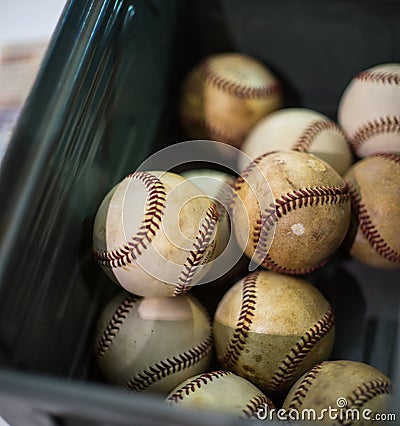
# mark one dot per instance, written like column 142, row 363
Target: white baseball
column 221, row 391
column 153, row 343
column 369, row 110
column 155, row 234
column 225, row 95
column 298, row 129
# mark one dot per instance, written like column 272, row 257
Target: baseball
column 297, row 211
column 298, row 129
column 155, row 234
column 369, row 110
column 271, row 328
column 225, row 95
column 220, row 391
column 374, row 190
column 354, row 392
column 218, row 186
column 153, row 343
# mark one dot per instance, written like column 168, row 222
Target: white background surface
column 24, row 21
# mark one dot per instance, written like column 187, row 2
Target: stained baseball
column 347, row 387
column 270, row 328
column 219, row 187
column 297, row 211
column 300, row 129
column 374, row 188
column 225, row 95
column 369, row 110
column 153, row 343
column 221, row 391
column 155, row 233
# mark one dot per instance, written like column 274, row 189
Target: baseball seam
column 238, row 90
column 196, row 384
column 114, row 325
column 245, row 320
column 252, row 407
column 244, row 174
column 377, row 126
column 369, row 230
column 224, row 198
column 364, row 393
column 379, row 76
column 303, row 197
column 301, row 349
column 302, row 389
column 304, row 141
column 196, row 255
column 248, row 169
column 168, row 366
column 269, row 263
column 155, row 204
column 390, row 156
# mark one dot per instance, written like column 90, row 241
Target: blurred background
column 25, row 28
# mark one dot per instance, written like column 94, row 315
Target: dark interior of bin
column 105, row 98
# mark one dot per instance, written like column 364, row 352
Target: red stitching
column 155, row 204
column 303, row 387
column 269, row 263
column 291, row 201
column 224, row 197
column 204, row 379
column 195, row 256
column 236, row 89
column 195, row 384
column 247, row 312
column 301, row 349
column 373, row 128
column 252, row 407
column 369, row 230
column 363, row 394
column 245, row 174
column 312, row 131
column 169, row 366
column 115, row 324
column 379, row 76
column 390, row 156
